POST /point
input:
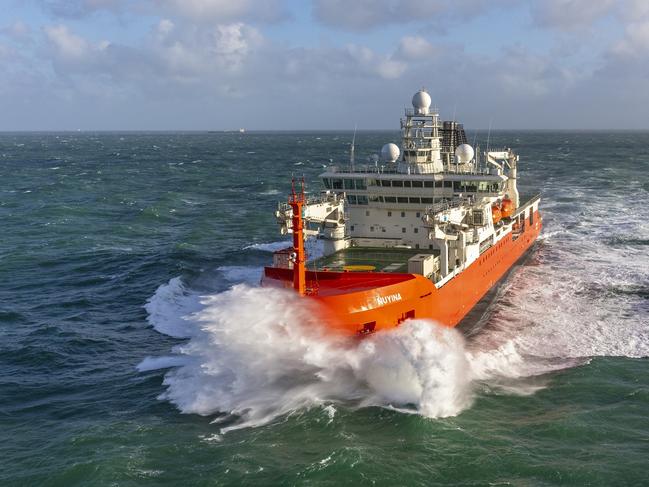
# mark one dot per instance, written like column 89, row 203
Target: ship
column 422, row 232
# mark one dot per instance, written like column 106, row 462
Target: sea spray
column 259, row 353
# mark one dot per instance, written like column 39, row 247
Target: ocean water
column 137, row 349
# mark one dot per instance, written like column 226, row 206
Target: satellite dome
column 390, row 152
column 464, row 153
column 421, row 102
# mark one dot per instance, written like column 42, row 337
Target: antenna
column 489, row 133
column 351, row 151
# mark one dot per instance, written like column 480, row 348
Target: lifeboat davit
column 496, row 214
column 507, row 208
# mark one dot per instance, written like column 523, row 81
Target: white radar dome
column 390, row 152
column 464, row 153
column 421, row 102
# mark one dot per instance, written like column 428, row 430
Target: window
column 337, row 183
column 448, row 184
column 367, row 212
column 428, row 184
column 383, row 229
column 390, row 199
column 416, row 230
column 418, row 214
column 406, row 184
column 457, row 186
column 417, row 184
column 385, row 183
column 349, row 184
column 427, row 201
column 371, row 229
column 352, row 228
column 403, row 230
column 439, row 184
column 531, row 216
column 397, row 184
column 402, row 200
column 327, row 183
column 376, row 199
column 351, row 199
column 403, row 214
column 414, row 201
column 389, row 213
column 360, row 184
column 362, row 199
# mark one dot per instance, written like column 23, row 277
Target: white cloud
column 224, row 10
column 571, row 15
column 68, row 45
column 371, row 14
column 415, row 48
column 83, row 8
column 635, row 43
column 17, row 31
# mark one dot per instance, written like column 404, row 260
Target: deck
column 368, row 259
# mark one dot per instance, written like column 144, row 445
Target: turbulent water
column 136, row 347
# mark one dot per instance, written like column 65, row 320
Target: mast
column 296, row 201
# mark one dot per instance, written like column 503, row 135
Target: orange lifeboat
column 496, row 214
column 507, row 208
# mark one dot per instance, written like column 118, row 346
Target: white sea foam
column 157, row 363
column 271, row 246
column 259, row 353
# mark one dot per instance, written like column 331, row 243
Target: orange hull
column 364, row 302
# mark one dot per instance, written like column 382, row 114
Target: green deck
column 368, row 259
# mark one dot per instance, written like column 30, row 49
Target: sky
column 322, row 64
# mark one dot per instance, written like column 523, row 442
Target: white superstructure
column 435, row 193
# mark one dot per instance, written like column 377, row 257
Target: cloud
column 75, row 9
column 370, row 14
column 570, row 15
column 67, row 45
column 17, row 31
column 415, row 48
column 224, row 10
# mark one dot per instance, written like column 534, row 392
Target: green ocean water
column 136, row 349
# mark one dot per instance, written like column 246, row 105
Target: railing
column 432, row 112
